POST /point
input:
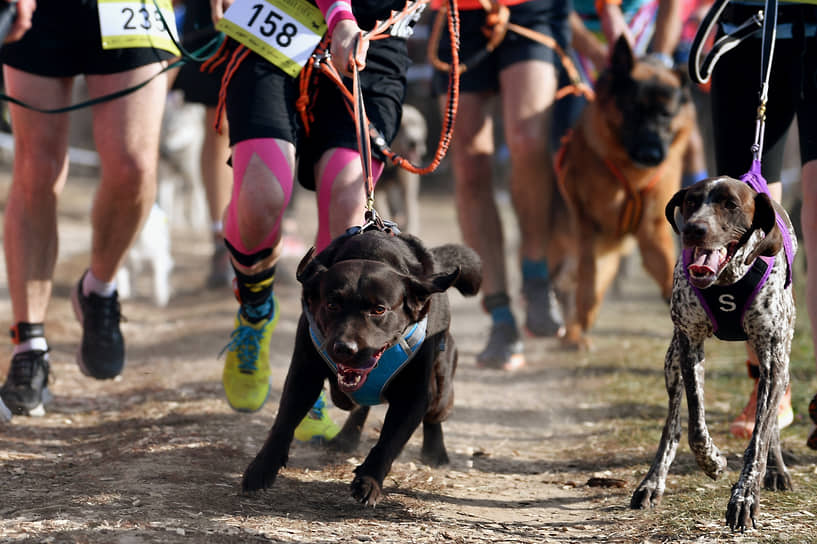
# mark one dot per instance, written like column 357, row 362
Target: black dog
column 376, row 325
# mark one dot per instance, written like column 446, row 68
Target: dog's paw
column 742, row 509
column 777, row 480
column 258, row 475
column 366, row 490
column 712, row 462
column 647, row 495
column 575, row 341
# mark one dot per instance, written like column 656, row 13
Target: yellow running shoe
column 246, row 376
column 317, row 426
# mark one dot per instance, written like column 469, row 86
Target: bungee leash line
column 366, row 133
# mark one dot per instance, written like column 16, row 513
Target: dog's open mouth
column 707, row 264
column 350, row 379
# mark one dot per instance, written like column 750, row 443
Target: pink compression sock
column 341, row 157
column 271, row 154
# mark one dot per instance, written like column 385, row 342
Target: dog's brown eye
column 730, row 205
column 332, row 307
column 379, row 310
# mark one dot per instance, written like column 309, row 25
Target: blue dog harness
column 391, row 362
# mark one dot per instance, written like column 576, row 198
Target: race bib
column 285, row 32
column 138, row 23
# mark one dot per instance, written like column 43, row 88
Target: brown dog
column 616, row 171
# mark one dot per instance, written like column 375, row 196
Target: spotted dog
column 733, row 280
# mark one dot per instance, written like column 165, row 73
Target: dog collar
column 723, row 302
column 391, row 362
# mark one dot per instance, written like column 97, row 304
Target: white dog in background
column 180, row 201
column 151, row 250
column 181, row 190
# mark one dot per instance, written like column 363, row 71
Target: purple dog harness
column 721, row 302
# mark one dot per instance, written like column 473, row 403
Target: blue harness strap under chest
column 727, row 304
column 391, row 362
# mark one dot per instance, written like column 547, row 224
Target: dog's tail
column 450, row 256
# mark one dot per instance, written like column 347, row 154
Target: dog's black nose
column 344, row 349
column 648, row 155
column 694, row 231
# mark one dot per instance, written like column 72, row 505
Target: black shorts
column 548, row 17
column 198, row 87
column 792, row 91
column 64, row 40
column 261, row 104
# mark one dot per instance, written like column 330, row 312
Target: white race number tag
column 137, row 23
column 285, row 32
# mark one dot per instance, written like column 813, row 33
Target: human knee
column 262, row 188
column 131, row 172
column 37, row 178
column 526, row 145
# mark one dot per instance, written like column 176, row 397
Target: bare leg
column 343, row 191
column 126, row 133
column 40, row 171
column 528, row 90
column 217, row 177
column 472, row 152
column 809, row 221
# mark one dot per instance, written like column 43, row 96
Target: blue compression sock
column 534, row 270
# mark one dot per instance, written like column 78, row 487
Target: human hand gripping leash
column 366, row 132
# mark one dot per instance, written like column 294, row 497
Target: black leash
column 701, row 70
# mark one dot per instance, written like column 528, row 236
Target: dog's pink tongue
column 706, row 262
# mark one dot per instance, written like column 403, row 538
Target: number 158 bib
column 285, row 32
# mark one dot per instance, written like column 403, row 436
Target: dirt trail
column 156, row 455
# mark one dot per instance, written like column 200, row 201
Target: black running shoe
column 102, row 352
column 543, row 315
column 26, row 389
column 503, row 350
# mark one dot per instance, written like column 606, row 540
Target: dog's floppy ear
column 765, row 219
column 306, row 267
column 673, row 211
column 309, row 270
column 418, row 291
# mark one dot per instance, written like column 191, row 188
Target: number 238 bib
column 137, row 23
column 285, row 32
